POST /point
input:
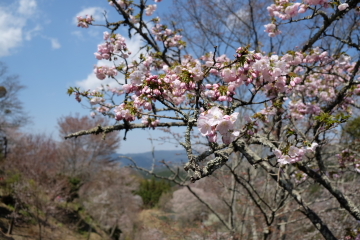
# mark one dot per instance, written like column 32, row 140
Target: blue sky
column 41, row 43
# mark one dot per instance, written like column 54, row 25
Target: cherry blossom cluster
column 150, row 122
column 125, row 111
column 88, row 94
column 305, row 96
column 316, row 86
column 286, row 9
column 217, row 92
column 293, row 154
column 296, row 85
column 299, row 109
column 97, row 100
column 172, row 87
column 102, row 72
column 115, row 45
column 84, row 22
column 272, row 29
column 270, row 74
column 215, row 121
column 150, row 9
column 168, row 36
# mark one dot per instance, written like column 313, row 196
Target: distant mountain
column 145, row 160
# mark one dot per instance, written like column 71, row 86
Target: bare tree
column 32, row 174
column 81, row 157
column 12, row 114
column 108, row 198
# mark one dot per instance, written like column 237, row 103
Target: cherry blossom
column 85, row 22
column 293, row 154
column 343, row 6
column 150, row 9
column 294, row 86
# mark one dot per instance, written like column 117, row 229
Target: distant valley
column 146, row 159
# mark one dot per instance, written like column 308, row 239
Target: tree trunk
column 12, row 221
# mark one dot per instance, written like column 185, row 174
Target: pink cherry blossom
column 224, row 126
column 150, row 9
column 343, row 6
column 137, row 77
column 204, row 126
column 84, row 22
column 215, row 116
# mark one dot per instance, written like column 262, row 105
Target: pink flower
column 302, row 8
column 150, row 10
column 133, row 19
column 224, row 126
column 203, row 125
column 104, row 71
column 215, row 116
column 84, row 22
column 292, row 10
column 137, row 77
column 96, row 100
column 213, row 137
column 270, row 27
column 228, row 138
column 343, row 6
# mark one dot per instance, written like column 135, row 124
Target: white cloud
column 13, row 21
column 93, row 32
column 92, row 82
column 134, row 45
column 14, row 26
column 77, row 34
column 55, row 43
column 33, row 32
column 11, row 32
column 27, row 7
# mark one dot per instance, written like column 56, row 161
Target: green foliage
column 75, row 183
column 10, row 181
column 329, row 120
column 13, row 178
column 351, row 135
column 352, row 128
column 186, row 76
column 151, row 190
column 72, row 90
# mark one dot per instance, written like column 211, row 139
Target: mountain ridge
column 146, row 159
